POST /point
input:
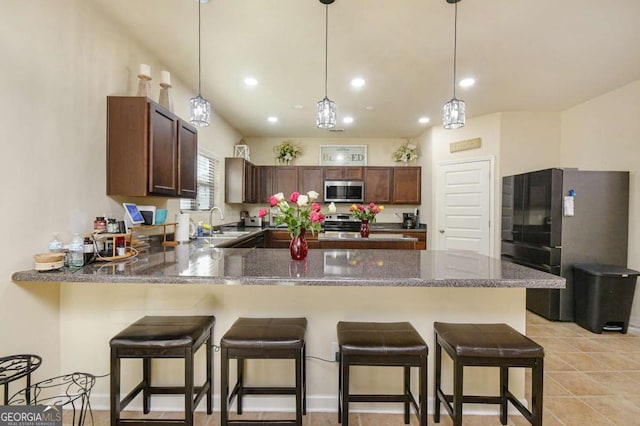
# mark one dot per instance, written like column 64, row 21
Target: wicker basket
column 48, row 257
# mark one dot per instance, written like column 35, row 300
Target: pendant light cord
column 455, row 47
column 199, row 49
column 326, row 47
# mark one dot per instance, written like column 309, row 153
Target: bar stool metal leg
column 224, row 385
column 537, row 394
column 115, row 388
column 504, row 386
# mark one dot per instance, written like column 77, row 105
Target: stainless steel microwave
column 344, row 191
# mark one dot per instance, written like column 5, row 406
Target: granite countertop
column 198, row 263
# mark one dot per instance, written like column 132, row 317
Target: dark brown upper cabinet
column 406, row 185
column 150, row 150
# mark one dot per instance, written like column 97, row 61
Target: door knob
column 441, row 231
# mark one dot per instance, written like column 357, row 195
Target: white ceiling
column 526, row 55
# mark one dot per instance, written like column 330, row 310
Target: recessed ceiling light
column 369, row 108
column 347, row 120
column 250, row 81
column 358, row 82
column 423, row 120
column 467, row 82
column 272, row 119
column 298, row 107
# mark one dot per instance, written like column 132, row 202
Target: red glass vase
column 364, row 228
column 298, row 246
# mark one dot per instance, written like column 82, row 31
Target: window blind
column 207, row 182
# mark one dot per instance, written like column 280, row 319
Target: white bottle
column 76, row 251
column 55, row 245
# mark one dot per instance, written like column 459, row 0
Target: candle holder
column 165, row 96
column 144, row 85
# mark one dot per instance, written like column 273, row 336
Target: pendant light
column 199, row 107
column 326, row 109
column 453, row 117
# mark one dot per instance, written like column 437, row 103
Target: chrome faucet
column 211, row 217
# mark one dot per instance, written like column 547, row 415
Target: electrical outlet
column 335, row 351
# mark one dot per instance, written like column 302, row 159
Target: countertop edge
column 49, row 277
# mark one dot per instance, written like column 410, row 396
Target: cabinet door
column 265, row 183
column 187, row 160
column 250, row 183
column 285, row 180
column 377, row 184
column 127, row 146
column 333, row 173
column 343, row 173
column 311, row 179
column 163, row 155
column 353, row 173
column 406, row 185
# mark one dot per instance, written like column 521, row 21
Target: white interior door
column 463, row 206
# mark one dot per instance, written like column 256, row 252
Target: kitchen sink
column 232, row 234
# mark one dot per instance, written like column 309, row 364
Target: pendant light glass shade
column 199, row 107
column 453, row 112
column 326, row 108
column 326, row 114
column 453, row 117
column 199, row 111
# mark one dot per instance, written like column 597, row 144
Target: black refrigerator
column 542, row 230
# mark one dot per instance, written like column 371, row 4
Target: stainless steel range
column 341, row 222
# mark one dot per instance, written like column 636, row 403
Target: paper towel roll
column 182, row 227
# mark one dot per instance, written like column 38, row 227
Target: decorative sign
column 343, row 155
column 464, row 145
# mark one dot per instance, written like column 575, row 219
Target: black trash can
column 603, row 295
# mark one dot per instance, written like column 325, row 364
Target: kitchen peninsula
column 419, row 286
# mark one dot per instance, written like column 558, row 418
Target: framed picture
column 343, row 155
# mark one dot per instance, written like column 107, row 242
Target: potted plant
column 405, row 153
column 301, row 215
column 366, row 214
column 286, row 152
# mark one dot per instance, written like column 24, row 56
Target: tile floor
column 590, row 380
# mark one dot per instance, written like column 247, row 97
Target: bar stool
column 382, row 344
column 263, row 338
column 487, row 345
column 162, row 337
column 14, row 367
column 70, row 392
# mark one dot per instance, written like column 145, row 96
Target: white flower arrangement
column 286, row 151
column 406, row 152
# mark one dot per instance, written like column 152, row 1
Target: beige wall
column 378, row 154
column 604, row 134
column 58, row 65
column 529, row 141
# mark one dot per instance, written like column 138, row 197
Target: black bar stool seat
column 162, row 337
column 263, row 338
column 382, row 344
column 487, row 345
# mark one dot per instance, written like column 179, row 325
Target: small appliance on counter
column 253, row 222
column 409, row 220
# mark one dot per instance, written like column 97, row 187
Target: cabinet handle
column 441, row 231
